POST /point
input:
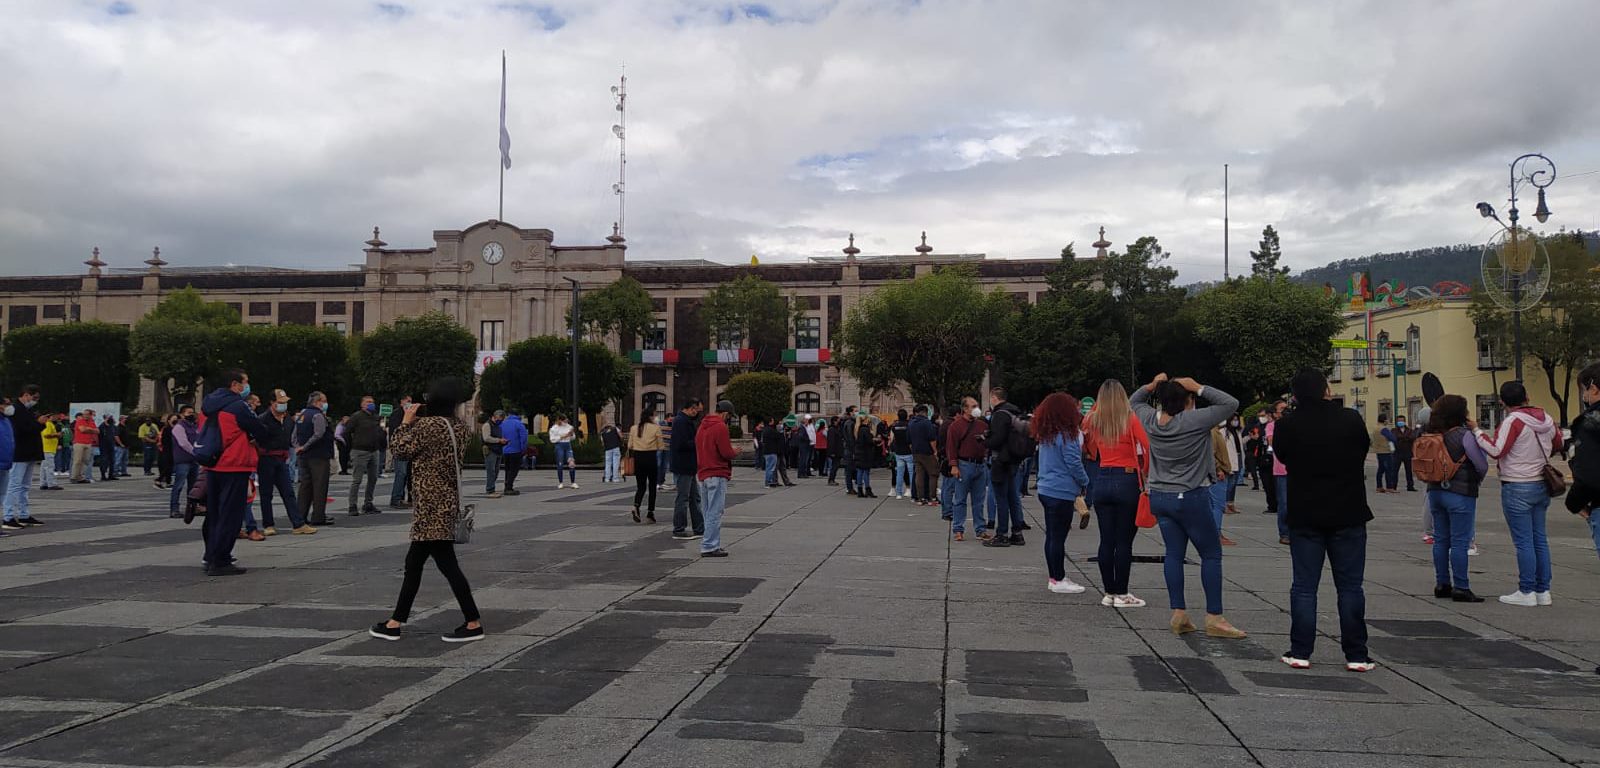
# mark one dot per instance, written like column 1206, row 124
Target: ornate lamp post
column 1535, row 169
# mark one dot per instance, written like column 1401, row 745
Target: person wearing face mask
column 272, row 470
column 365, row 435
column 25, row 430
column 184, row 433
column 313, row 444
column 489, row 435
column 1235, row 445
column 228, row 482
column 966, row 454
column 1405, row 440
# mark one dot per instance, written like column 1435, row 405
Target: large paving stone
column 432, row 741
column 177, row 647
column 166, row 736
column 315, row 687
column 103, row 678
column 52, row 639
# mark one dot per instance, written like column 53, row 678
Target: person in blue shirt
column 1057, row 427
column 515, row 435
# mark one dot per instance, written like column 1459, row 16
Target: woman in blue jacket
column 1056, row 425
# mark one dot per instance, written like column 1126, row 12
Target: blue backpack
column 208, row 446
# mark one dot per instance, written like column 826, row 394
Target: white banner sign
column 486, row 357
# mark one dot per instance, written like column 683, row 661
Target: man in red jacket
column 714, row 457
column 228, row 483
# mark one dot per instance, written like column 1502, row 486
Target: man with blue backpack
column 226, row 449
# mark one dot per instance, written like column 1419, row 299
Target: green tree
column 492, row 386
column 1264, row 262
column 1069, row 342
column 930, row 334
column 1264, row 329
column 1145, row 301
column 538, row 376
column 623, row 307
column 187, row 305
column 1562, row 333
column 83, row 362
column 297, row 359
column 174, row 354
column 760, row 395
column 749, row 312
column 405, row 357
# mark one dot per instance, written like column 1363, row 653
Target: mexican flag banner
column 654, row 356
column 806, row 355
column 728, row 356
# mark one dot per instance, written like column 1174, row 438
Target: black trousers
column 646, row 476
column 444, row 556
column 227, row 500
column 512, row 467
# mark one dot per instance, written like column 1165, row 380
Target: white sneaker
column 1360, row 666
column 1544, row 597
column 574, row 486
column 560, row 485
column 1127, row 601
column 1295, row 663
column 1525, row 599
column 1107, row 600
column 1066, row 587
column 1472, row 551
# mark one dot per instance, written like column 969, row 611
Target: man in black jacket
column 26, row 429
column 364, row 433
column 773, row 448
column 844, row 436
column 1324, row 447
column 686, row 511
column 1003, row 475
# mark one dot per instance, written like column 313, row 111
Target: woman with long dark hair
column 1119, row 440
column 644, row 441
column 1055, row 426
column 435, row 442
column 867, row 451
column 1453, row 504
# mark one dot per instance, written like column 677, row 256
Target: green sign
column 791, row 420
column 1348, row 343
column 1086, row 405
column 384, row 410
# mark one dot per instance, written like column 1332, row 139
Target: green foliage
column 930, row 333
column 538, row 375
column 173, row 353
column 761, row 395
column 407, row 356
column 1264, row 329
column 1562, row 333
column 492, row 388
column 1069, row 342
column 749, row 310
column 1264, row 262
column 84, row 362
column 186, row 305
column 297, row 359
column 589, row 451
column 624, row 307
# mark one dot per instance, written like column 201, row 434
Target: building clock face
column 493, row 253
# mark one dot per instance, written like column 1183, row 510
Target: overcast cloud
column 278, row 133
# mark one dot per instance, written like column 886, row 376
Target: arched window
column 1383, row 357
column 1336, row 372
column 656, row 400
column 807, row 402
column 1358, row 369
column 1413, row 350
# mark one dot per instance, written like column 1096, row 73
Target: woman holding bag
column 434, row 441
column 1113, row 434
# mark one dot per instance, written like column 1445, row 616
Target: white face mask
column 977, row 413
column 11, row 410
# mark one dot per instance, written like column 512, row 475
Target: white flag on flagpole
column 505, row 135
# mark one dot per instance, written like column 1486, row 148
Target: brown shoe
column 985, row 536
column 960, row 536
column 1227, row 542
column 257, row 536
column 1216, row 626
column 305, row 530
column 242, row 535
column 1230, row 509
column 1181, row 625
column 270, row 531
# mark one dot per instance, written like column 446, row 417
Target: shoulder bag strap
column 455, row 455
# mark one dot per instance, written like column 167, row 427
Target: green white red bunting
column 653, row 356
column 728, row 356
column 806, row 355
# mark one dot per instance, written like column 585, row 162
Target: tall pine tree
column 1264, row 263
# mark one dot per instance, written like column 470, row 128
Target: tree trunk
column 1550, row 378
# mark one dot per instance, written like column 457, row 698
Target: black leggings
column 444, row 556
column 645, row 474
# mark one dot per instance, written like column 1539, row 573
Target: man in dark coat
column 688, row 519
column 1324, row 446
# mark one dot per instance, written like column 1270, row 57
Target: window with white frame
column 1413, row 350
column 337, row 325
column 1336, row 373
column 656, row 337
column 1383, row 358
column 1488, row 359
column 808, row 333
column 657, row 401
column 807, row 402
column 1359, row 362
column 730, row 338
column 492, row 334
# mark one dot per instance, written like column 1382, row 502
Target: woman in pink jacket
column 1521, row 447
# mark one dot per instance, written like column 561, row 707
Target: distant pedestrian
column 1119, row 439
column 1006, row 433
column 1056, row 427
column 184, row 469
column 805, row 441
column 867, row 455
column 1452, row 496
column 85, row 438
column 820, row 446
column 1234, row 440
column 148, row 431
column 364, row 434
column 515, row 434
column 611, row 443
column 276, row 451
column 1521, row 448
column 1382, row 439
column 561, row 436
column 314, row 450
column 1222, row 480
column 644, row 444
column 8, row 448
column 341, row 440
column 1584, row 494
column 1278, row 494
column 1405, row 437
column 50, row 445
column 434, row 441
column 714, row 466
column 904, row 461
column 398, row 490
column 774, row 446
column 922, row 435
column 1325, row 447
column 26, row 431
column 688, row 517
column 109, row 443
column 126, row 437
column 967, row 458
column 228, row 482
column 493, row 443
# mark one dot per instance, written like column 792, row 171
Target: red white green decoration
column 653, row 356
column 807, row 355
column 728, row 356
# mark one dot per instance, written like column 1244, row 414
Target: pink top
column 1278, row 469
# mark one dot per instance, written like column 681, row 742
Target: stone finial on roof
column 376, row 242
column 95, row 263
column 1101, row 245
column 851, row 250
column 155, row 261
column 924, row 249
column 616, row 238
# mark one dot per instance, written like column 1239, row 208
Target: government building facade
column 506, row 283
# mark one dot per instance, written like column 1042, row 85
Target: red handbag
column 1144, row 518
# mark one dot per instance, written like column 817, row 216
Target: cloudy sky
column 277, row 132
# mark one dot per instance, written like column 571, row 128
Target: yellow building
column 1427, row 336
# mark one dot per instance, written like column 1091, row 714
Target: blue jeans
column 1233, row 481
column 805, row 460
column 1092, row 469
column 1005, row 484
column 771, row 462
column 564, row 455
column 272, row 476
column 947, row 487
column 1281, row 483
column 1185, row 518
column 182, row 477
column 613, row 472
column 1525, row 505
column 491, row 470
column 64, row 457
column 120, row 467
column 1057, row 524
column 973, row 485
column 903, row 471
column 1219, row 500
column 16, row 493
column 863, row 480
column 687, row 508
column 1116, row 506
column 402, row 476
column 1346, row 553
column 1454, row 519
column 714, row 490
column 1385, row 465
column 1594, row 531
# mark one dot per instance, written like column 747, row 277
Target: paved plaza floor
column 840, row 633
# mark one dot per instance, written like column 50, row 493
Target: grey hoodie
column 1180, row 452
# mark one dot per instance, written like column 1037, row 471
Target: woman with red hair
column 1056, row 425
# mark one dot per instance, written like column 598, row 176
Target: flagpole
column 501, row 215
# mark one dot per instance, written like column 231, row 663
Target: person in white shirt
column 561, row 437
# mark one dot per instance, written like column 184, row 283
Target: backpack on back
column 1430, row 459
column 208, row 446
column 1019, row 445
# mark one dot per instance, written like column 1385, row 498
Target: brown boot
column 1181, row 625
column 1230, row 509
column 1216, row 626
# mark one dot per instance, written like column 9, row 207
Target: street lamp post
column 577, row 418
column 1541, row 174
